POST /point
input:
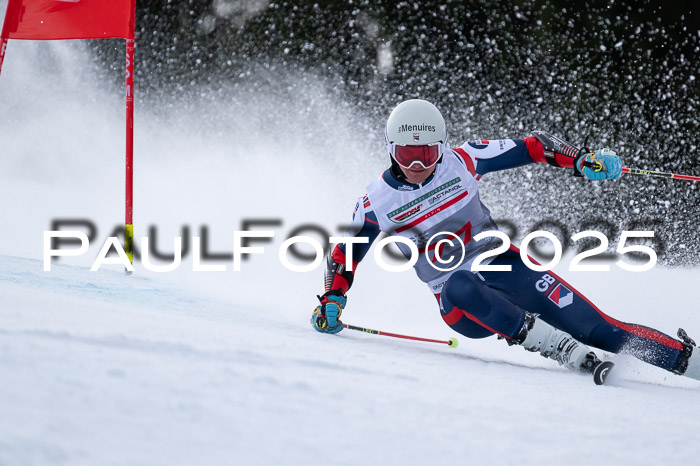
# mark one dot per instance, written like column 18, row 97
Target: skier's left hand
column 606, row 165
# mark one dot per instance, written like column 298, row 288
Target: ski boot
column 689, row 362
column 550, row 342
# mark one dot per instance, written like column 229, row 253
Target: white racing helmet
column 416, row 134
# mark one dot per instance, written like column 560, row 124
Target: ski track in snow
column 104, row 368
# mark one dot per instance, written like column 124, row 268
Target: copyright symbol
column 438, row 246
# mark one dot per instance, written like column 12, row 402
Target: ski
column 601, row 372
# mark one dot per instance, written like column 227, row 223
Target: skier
column 431, row 188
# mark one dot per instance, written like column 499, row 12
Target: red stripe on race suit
column 436, row 210
column 338, row 283
column 637, row 330
column 453, row 316
column 535, row 149
column 438, row 252
column 456, row 313
column 564, row 161
column 467, row 160
column 339, row 256
column 466, row 229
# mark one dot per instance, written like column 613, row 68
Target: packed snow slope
column 223, row 367
column 104, row 368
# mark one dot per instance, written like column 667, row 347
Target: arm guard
column 557, row 152
column 337, row 277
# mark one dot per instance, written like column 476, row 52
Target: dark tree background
column 622, row 74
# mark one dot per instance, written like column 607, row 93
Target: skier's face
column 417, row 174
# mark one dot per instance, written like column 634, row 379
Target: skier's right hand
column 326, row 316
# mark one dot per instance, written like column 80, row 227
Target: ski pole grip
column 596, row 166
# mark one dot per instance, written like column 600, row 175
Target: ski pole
column 637, row 171
column 452, row 342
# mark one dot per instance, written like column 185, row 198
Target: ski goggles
column 425, row 155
